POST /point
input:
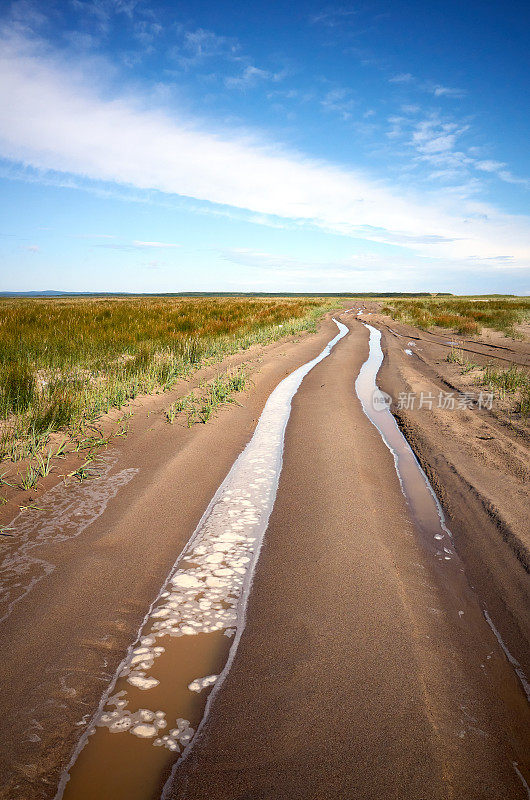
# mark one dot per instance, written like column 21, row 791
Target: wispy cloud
column 402, row 77
column 433, row 136
column 56, row 122
column 447, row 91
column 289, row 266
column 32, row 248
column 155, row 244
column 248, row 78
column 499, row 169
column 102, row 11
column 332, row 17
column 201, row 45
column 339, row 101
column 437, row 89
column 94, row 236
column 131, row 246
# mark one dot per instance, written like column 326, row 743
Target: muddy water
column 156, row 703
column 63, row 513
column 424, row 506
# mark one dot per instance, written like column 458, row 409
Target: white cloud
column 489, row 166
column 154, row 244
column 499, row 169
column 53, row 120
column 202, row 44
column 249, row 77
column 320, row 272
column 403, row 77
column 447, row 91
column 332, row 17
column 33, row 248
column 339, row 101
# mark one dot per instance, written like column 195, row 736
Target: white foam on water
column 202, row 683
column 208, row 588
column 408, row 352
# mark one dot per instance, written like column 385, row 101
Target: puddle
column 513, row 661
column 164, row 687
column 422, row 501
column 62, row 513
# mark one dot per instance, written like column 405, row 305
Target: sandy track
column 63, row 642
column 356, row 675
column 478, row 462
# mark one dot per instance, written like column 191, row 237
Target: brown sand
column 356, row 676
column 478, row 462
column 65, row 639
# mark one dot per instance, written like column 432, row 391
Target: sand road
column 356, row 676
column 364, row 671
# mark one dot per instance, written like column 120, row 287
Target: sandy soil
column 357, row 674
column 63, row 641
column 477, row 459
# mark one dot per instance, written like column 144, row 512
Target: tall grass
column 461, row 315
column 211, row 395
column 64, row 361
column 513, row 381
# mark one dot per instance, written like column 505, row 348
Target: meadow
column 462, row 315
column 66, row 361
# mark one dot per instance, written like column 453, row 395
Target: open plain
column 357, row 647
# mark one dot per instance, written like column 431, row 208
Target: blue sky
column 259, row 146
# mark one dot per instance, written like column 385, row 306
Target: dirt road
column 356, row 677
column 365, row 670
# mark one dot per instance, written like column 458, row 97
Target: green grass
column 506, row 380
column 66, row 361
column 512, row 382
column 464, row 316
column 201, row 407
column 29, row 479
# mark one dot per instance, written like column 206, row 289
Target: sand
column 356, row 676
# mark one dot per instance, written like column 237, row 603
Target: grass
column 464, row 316
column 44, row 466
column 66, row 361
column 200, row 407
column 506, row 380
column 511, row 382
column 456, row 356
column 29, row 479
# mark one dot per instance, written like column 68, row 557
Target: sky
column 266, row 146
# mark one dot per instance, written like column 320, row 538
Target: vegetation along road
column 242, row 559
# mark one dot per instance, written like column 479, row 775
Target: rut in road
column 366, row 668
column 191, row 633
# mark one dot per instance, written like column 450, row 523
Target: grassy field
column 462, row 315
column 508, row 383
column 65, row 361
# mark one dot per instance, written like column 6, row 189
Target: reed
column 66, row 361
column 463, row 316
